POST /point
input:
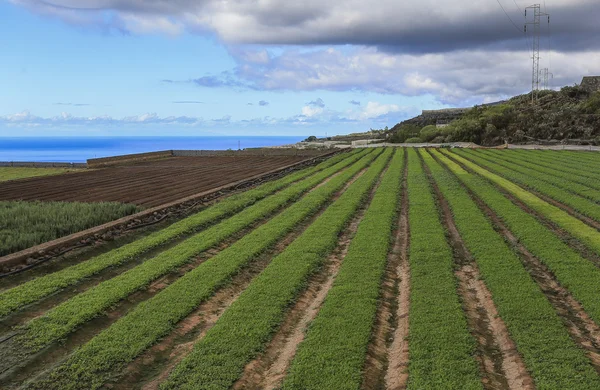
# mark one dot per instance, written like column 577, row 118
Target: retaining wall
column 28, row 164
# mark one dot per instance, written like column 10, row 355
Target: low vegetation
column 25, row 224
column 13, row 173
column 571, row 115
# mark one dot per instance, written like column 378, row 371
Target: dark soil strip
column 501, row 365
column 154, row 366
column 386, row 364
column 581, row 327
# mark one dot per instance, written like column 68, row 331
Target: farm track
column 581, row 327
column 444, row 274
column 584, row 331
column 500, row 363
column 95, row 325
column 179, row 344
column 386, row 364
column 148, row 184
column 268, row 370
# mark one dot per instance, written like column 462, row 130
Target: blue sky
column 183, row 67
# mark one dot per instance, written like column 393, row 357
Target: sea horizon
column 79, row 149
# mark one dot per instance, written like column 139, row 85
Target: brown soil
column 580, row 326
column 397, row 354
column 150, row 183
column 268, row 370
column 152, row 367
column 501, row 365
column 565, row 236
column 389, row 315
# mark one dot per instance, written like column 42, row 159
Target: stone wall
column 591, row 83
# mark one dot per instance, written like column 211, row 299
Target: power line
column 519, row 8
column 508, row 16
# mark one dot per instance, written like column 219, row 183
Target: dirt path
column 581, row 327
column 501, row 365
column 268, row 370
column 154, row 366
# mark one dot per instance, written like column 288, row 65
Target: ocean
column 79, row 149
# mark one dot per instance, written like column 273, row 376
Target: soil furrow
column 154, row 366
column 268, row 370
column 581, row 327
column 501, row 365
column 397, row 354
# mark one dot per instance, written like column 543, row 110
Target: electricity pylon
column 535, row 74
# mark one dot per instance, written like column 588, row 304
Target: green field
column 25, row 224
column 376, row 269
column 13, row 173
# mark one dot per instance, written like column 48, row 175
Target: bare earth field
column 146, row 184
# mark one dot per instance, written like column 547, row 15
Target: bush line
column 552, row 357
column 333, row 353
column 109, row 351
column 441, row 347
column 243, row 330
column 36, row 289
column 63, row 319
column 586, row 234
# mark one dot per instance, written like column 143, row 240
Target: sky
column 271, row 67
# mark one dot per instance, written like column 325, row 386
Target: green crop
column 441, row 347
column 12, row 173
column 25, row 224
column 246, row 326
column 36, row 289
column 64, row 318
column 586, row 234
column 96, row 361
column 333, row 353
column 554, row 360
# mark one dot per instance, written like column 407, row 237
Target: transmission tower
column 546, row 77
column 536, row 23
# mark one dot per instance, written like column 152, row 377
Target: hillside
column 568, row 116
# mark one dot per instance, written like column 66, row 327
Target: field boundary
column 34, row 164
column 48, row 250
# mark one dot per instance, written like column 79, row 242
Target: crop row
column 567, row 181
column 571, row 270
column 553, row 359
column 586, row 234
column 333, row 353
column 246, row 326
column 529, row 180
column 583, row 164
column 64, row 318
column 441, row 347
column 96, row 361
column 36, row 289
column 578, row 171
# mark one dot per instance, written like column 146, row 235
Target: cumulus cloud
column 461, row 77
column 25, row 118
column 409, row 26
column 317, row 103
